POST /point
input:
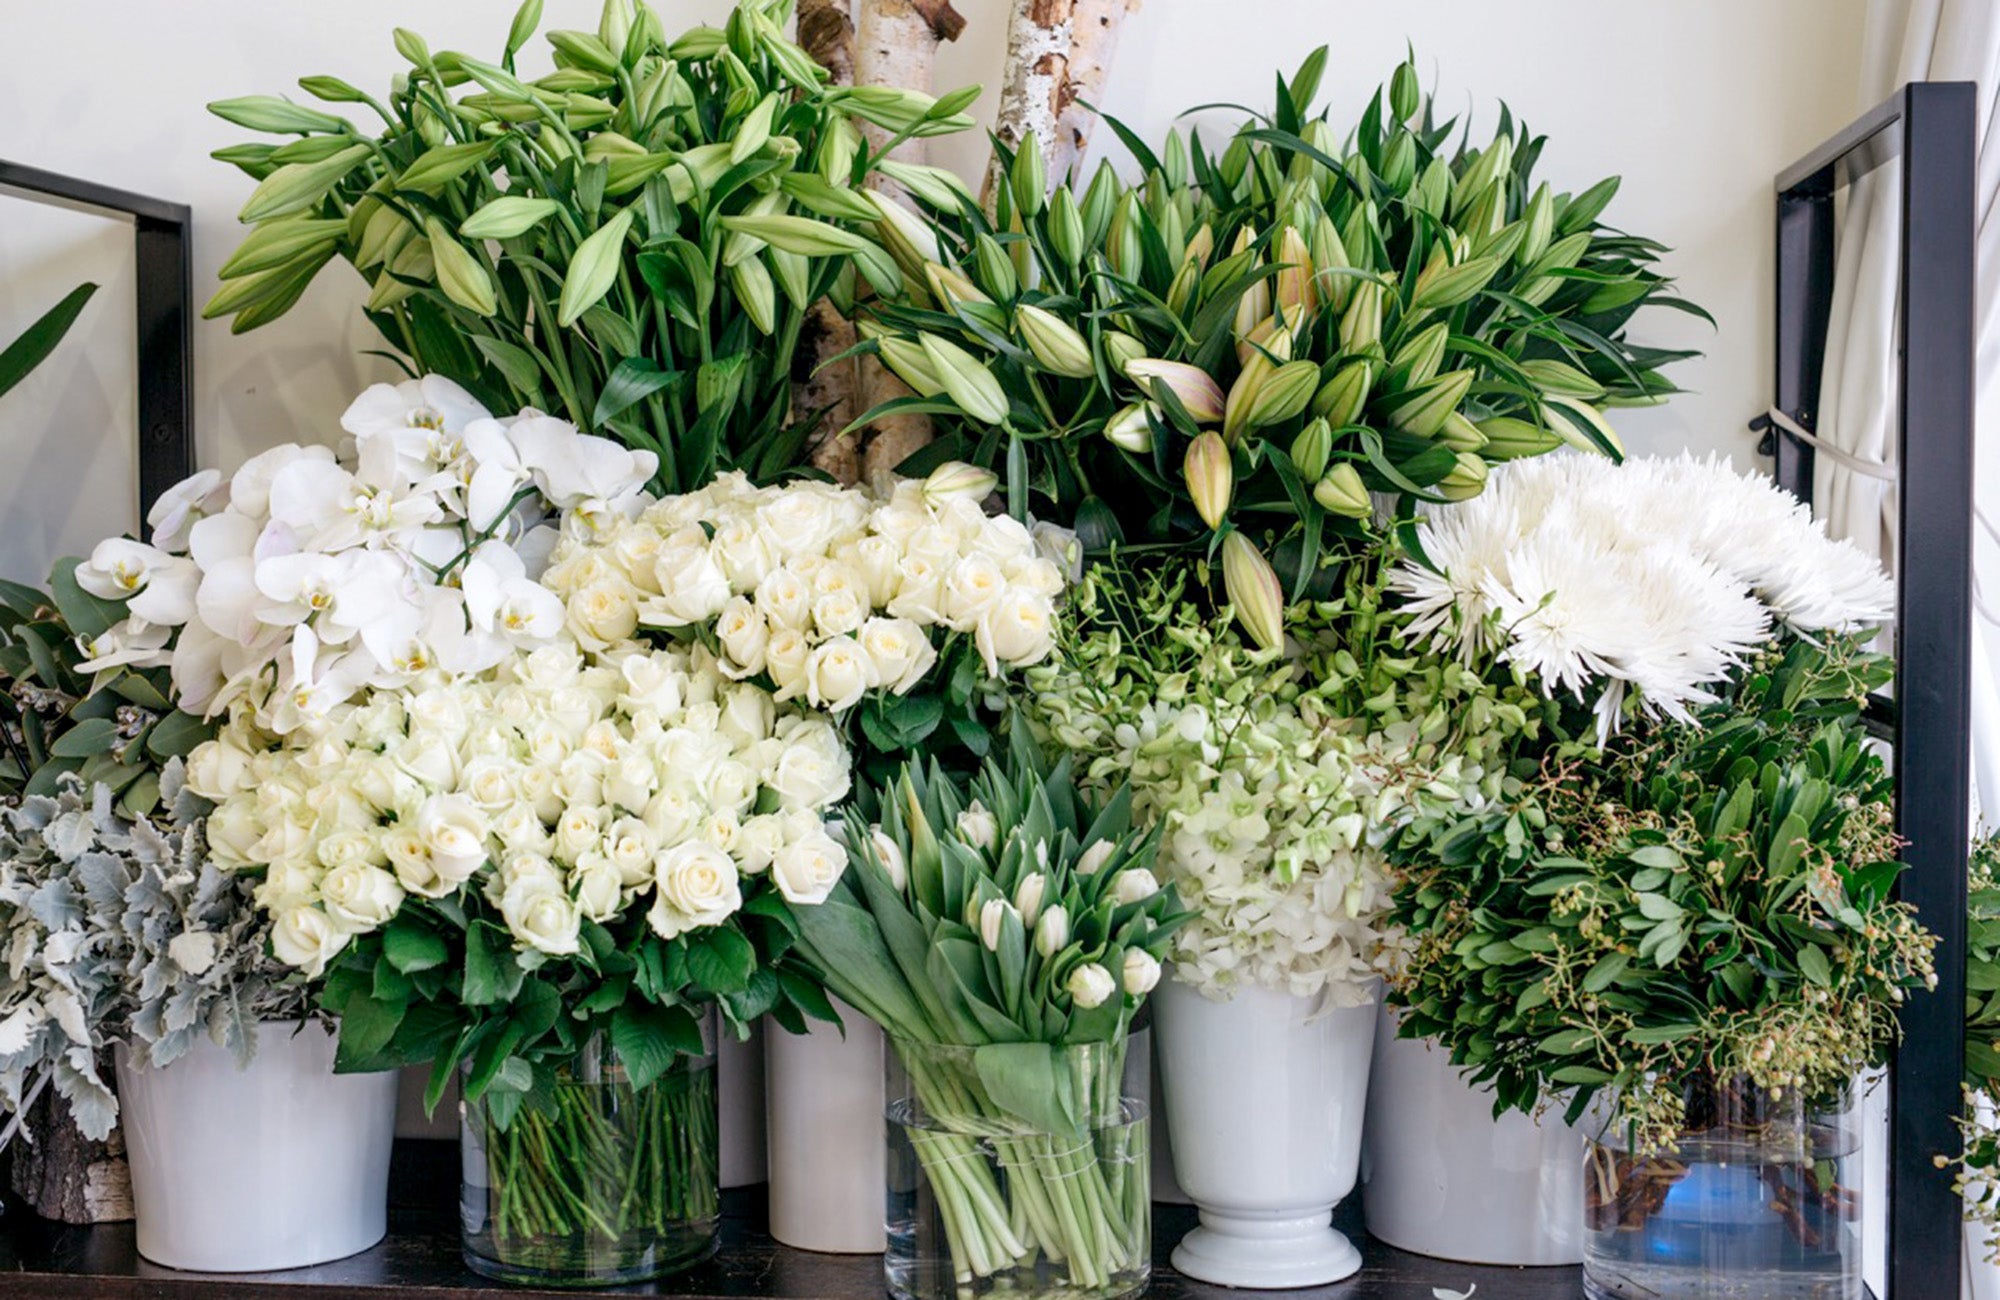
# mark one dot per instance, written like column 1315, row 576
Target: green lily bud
column 992, row 270
column 839, row 146
column 1200, row 246
column 1441, row 284
column 1361, row 323
column 1055, row 344
column 1421, row 411
column 1416, row 362
column 585, row 50
column 1399, row 163
column 1194, row 387
column 277, row 242
column 1253, row 590
column 1460, row 434
column 1283, row 393
column 1574, row 421
column 278, row 116
column 412, row 47
column 1296, row 294
column 436, row 168
column 1182, row 290
column 1132, row 427
column 1211, row 478
column 955, row 478
column 937, row 187
column 909, row 241
column 460, row 273
column 1466, row 480
column 1405, row 96
column 793, row 272
column 386, row 293
column 1029, row 178
column 614, row 25
column 1539, row 218
column 755, row 292
column 1536, row 285
column 950, row 288
column 526, row 19
column 1502, row 243
column 594, row 269
column 330, row 89
column 381, row 238
column 1124, row 252
column 1432, row 191
column 1235, row 162
column 964, row 380
column 587, row 113
column 1510, row 439
column 1342, row 492
column 1340, row 399
column 1493, row 164
column 801, row 235
column 295, row 187
column 507, row 217
column 753, row 130
column 1120, row 350
column 1581, row 212
column 908, row 362
column 1100, row 200
column 606, row 145
column 1312, row 447
column 1553, row 376
column 1065, row 228
column 1329, row 253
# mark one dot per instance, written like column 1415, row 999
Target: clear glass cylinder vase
column 599, row 1183
column 1016, row 1169
column 1756, row 1197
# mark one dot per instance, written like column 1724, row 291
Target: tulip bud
column 1132, row 427
column 1054, row 343
column 1052, row 931
column 1194, row 387
column 992, row 916
column 1134, row 885
column 955, row 479
column 1253, row 590
column 1283, row 394
column 1092, row 860
column 1509, row 439
column 1090, row 985
column 964, row 380
column 1142, row 972
column 1341, row 398
column 1028, row 897
column 1341, row 492
column 1421, row 411
column 1361, row 323
column 890, row 855
column 1312, row 447
column 1211, row 478
column 1467, row 478
column 906, row 360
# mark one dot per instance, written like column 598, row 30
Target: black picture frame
column 1930, row 127
column 162, row 246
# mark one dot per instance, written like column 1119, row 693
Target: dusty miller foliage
column 122, row 931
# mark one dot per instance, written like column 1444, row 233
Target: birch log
column 1094, row 29
column 1036, row 78
column 819, row 383
column 63, row 1175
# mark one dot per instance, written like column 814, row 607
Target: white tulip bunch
column 561, row 786
column 828, row 593
column 303, row 579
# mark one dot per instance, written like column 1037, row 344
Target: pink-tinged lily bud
column 1254, row 591
column 1200, row 245
column 1195, row 387
column 1297, row 296
column 1054, row 342
column 1211, row 478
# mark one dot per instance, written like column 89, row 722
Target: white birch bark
column 1095, row 26
column 1034, row 82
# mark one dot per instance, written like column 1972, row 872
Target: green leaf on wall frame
column 36, row 343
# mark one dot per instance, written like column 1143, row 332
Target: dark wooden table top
column 420, row 1261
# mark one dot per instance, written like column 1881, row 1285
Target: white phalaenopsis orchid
column 306, row 578
column 1647, row 582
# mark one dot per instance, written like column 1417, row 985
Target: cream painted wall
column 1695, row 102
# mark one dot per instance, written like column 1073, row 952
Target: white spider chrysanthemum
column 1646, row 582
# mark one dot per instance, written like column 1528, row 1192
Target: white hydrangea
column 306, row 579
column 561, row 785
column 827, row 592
column 1645, row 582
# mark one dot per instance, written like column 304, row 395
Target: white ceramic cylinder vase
column 1264, row 1099
column 826, row 1144
column 1442, row 1177
column 277, row 1165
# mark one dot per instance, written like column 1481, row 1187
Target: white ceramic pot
column 1442, row 1177
column 1264, row 1101
column 739, row 1108
column 278, row 1165
column 827, row 1144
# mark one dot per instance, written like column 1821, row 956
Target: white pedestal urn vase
column 277, row 1165
column 827, row 1145
column 1264, row 1101
column 1442, row 1177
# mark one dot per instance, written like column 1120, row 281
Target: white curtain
column 1914, row 40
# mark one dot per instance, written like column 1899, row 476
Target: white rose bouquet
column 1276, row 777
column 895, row 611
column 308, row 578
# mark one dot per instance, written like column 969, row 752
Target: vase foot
column 1261, row 1254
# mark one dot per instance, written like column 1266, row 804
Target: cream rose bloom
column 696, row 886
column 360, row 896
column 838, row 674
column 1017, row 630
column 785, row 599
column 604, row 613
column 541, row 916
column 807, row 870
column 306, row 937
column 899, row 652
column 744, row 633
column 599, row 888
column 972, row 586
column 813, row 772
column 786, row 656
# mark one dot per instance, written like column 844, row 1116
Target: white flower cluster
column 1653, row 578
column 827, row 592
column 326, row 577
column 560, row 786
